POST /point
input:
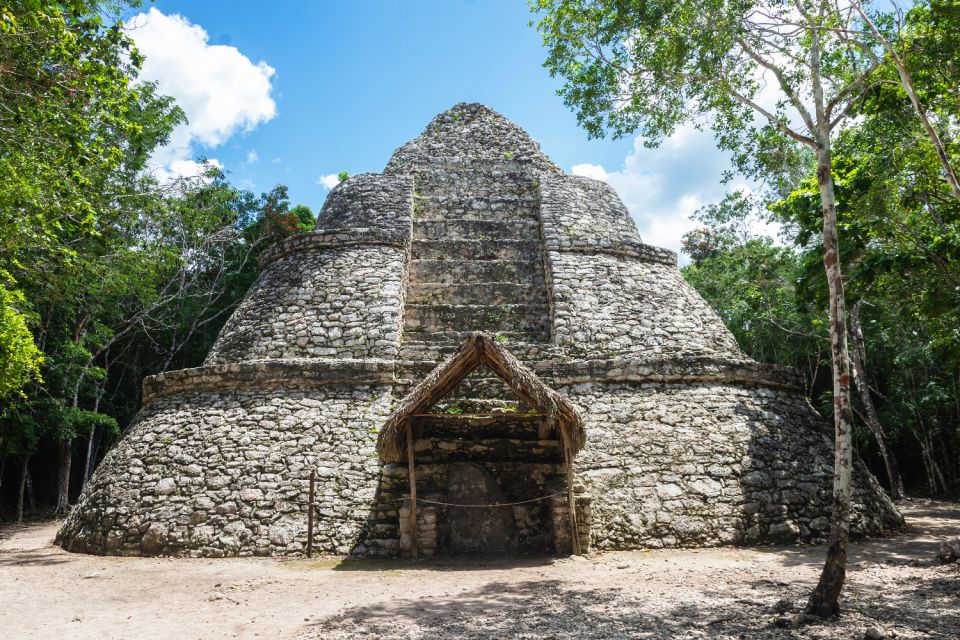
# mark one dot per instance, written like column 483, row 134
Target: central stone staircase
column 477, row 261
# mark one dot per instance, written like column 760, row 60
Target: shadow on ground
column 549, row 609
column 892, row 584
column 23, row 545
column 446, row 564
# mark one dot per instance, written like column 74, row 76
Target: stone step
column 449, row 271
column 467, row 210
column 451, row 228
column 438, row 449
column 431, row 318
column 477, row 179
column 437, row 187
column 473, row 293
column 489, row 249
column 507, row 424
column 413, row 349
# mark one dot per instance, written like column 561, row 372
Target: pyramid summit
column 470, row 327
column 470, row 132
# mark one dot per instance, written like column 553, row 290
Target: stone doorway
column 515, row 455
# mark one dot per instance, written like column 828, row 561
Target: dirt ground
column 893, row 584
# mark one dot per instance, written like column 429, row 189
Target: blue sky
column 290, row 92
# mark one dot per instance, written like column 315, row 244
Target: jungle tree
column 763, row 74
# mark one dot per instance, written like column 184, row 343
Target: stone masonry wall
column 575, row 207
column 335, row 303
column 369, row 201
column 334, row 293
column 711, row 464
column 226, row 474
column 607, row 304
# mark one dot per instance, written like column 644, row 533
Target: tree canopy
column 106, row 275
column 778, row 83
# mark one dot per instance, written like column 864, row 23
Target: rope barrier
column 484, row 506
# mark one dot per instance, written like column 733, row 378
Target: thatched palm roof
column 480, row 349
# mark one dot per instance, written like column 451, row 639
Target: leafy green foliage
column 19, row 357
column 74, row 129
column 635, row 66
column 108, row 276
column 753, row 285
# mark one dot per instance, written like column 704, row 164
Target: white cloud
column 176, row 169
column 588, row 170
column 221, row 91
column 329, row 181
column 663, row 187
column 252, row 157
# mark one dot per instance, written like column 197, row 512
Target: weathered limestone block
column 471, row 132
column 584, row 215
column 379, row 202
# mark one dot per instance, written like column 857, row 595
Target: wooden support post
column 411, row 470
column 313, row 477
column 571, row 502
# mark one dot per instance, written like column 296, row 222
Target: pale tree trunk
column 938, row 470
column 906, row 80
column 91, row 442
column 928, row 468
column 64, row 461
column 31, row 496
column 91, row 445
column 907, row 83
column 924, row 437
column 65, row 448
column 20, row 489
column 859, row 356
column 86, row 460
column 825, row 599
column 927, row 465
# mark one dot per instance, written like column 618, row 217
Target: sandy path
column 711, row 593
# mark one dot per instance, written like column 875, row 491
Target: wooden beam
column 411, row 471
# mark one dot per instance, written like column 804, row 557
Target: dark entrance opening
column 473, row 529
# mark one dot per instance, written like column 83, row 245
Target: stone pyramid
column 470, row 228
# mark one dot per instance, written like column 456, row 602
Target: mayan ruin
column 553, row 315
column 464, row 320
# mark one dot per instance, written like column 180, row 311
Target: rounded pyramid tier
column 471, row 228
